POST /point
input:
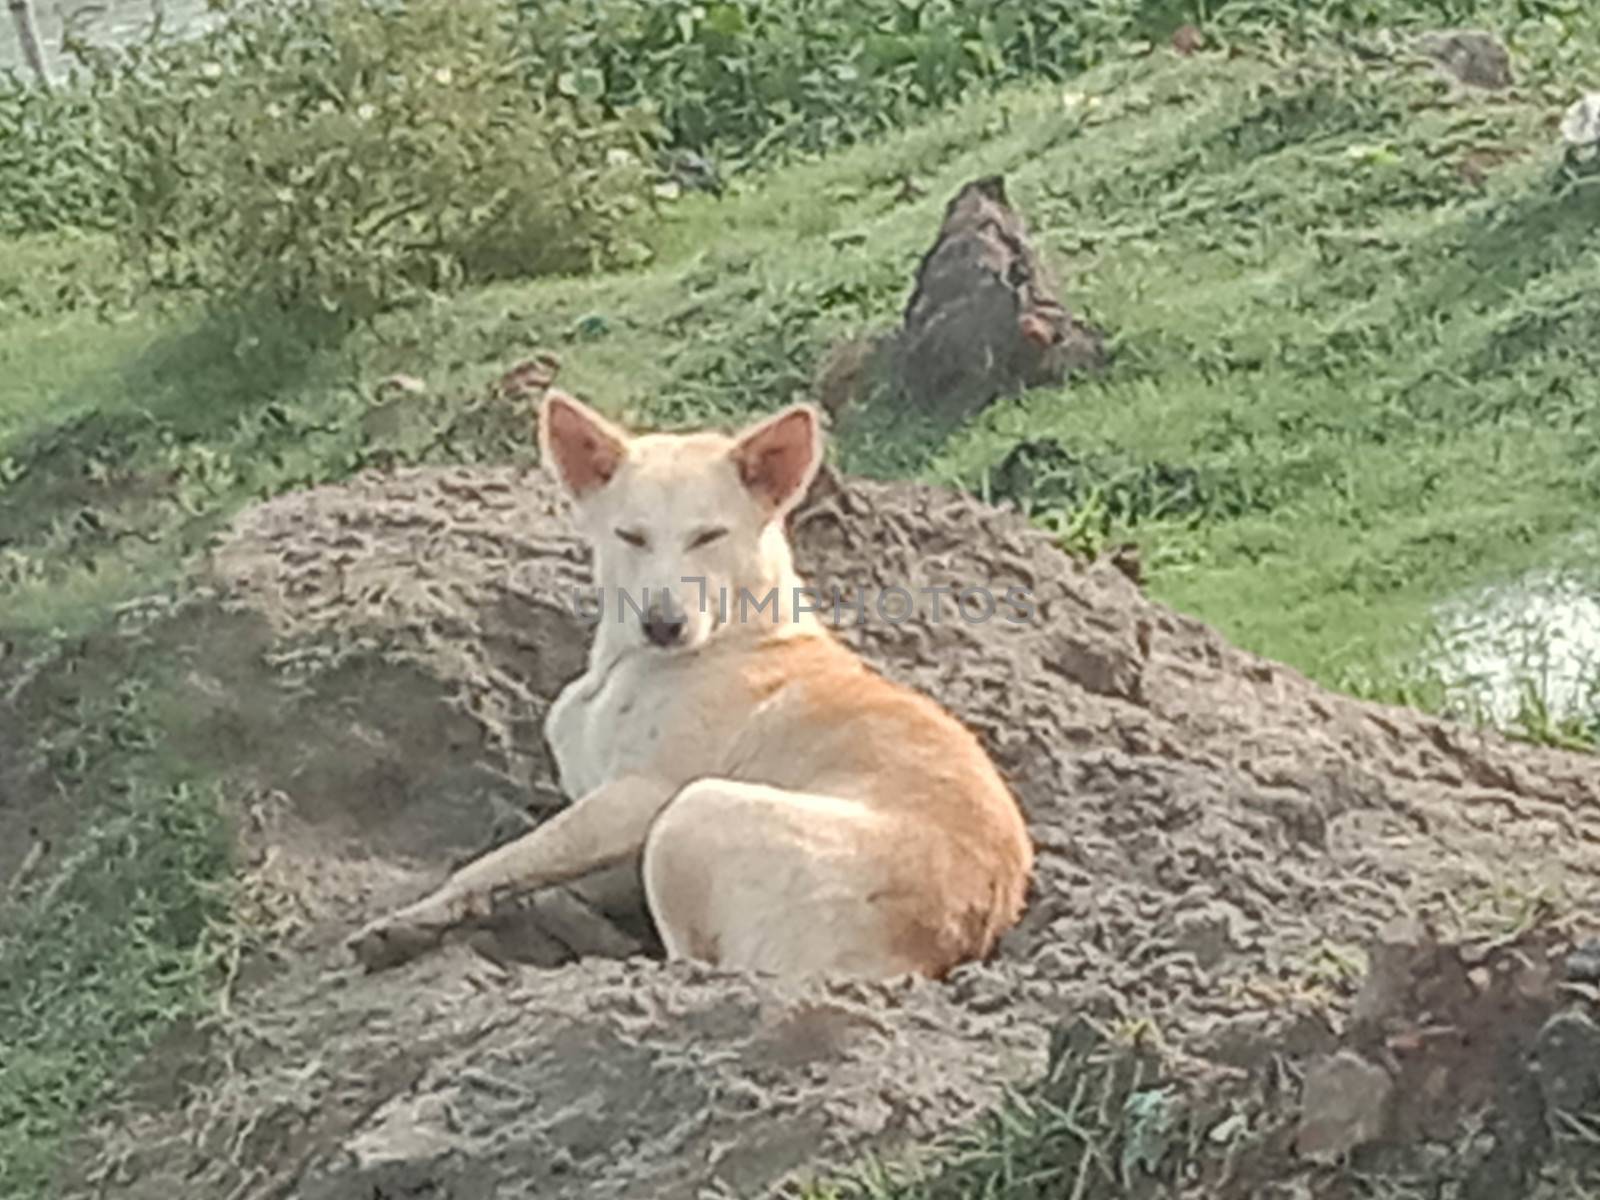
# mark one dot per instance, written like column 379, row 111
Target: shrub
column 756, row 80
column 353, row 153
column 54, row 172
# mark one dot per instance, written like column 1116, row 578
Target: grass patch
column 1100, row 1122
column 121, row 935
column 119, row 948
column 1349, row 383
column 1350, row 373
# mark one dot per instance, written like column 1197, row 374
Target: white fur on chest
column 634, row 715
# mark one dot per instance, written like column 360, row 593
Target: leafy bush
column 751, row 80
column 355, row 151
column 352, row 153
column 54, row 171
column 757, row 79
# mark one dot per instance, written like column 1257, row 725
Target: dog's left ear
column 778, row 457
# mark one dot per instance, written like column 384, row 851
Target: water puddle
column 102, row 22
column 1536, row 639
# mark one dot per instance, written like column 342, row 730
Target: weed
column 1102, row 1120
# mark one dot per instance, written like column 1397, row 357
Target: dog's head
column 687, row 529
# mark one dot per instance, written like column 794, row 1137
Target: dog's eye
column 633, row 537
column 706, row 536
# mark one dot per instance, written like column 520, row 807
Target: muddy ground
column 1330, row 942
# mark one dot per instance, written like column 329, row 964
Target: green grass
column 1350, row 383
column 120, row 938
column 1372, row 378
column 101, row 964
column 1369, row 377
column 1098, row 1118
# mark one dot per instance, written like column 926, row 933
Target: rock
column 1580, row 130
column 1583, row 964
column 379, row 655
column 408, row 385
column 1187, row 39
column 1125, row 557
column 984, row 319
column 1580, row 124
column 1343, row 1107
column 1457, row 1025
column 1470, row 56
column 1566, row 1062
column 984, row 316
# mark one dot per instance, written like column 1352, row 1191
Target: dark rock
column 1566, row 1061
column 693, row 172
column 1583, row 964
column 984, row 319
column 1343, row 1106
column 1470, row 56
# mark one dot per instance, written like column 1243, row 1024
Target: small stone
column 1209, row 933
column 408, row 385
column 1343, row 1106
column 1566, row 1061
column 1125, row 558
column 1583, row 964
column 1469, row 56
column 1186, row 39
column 531, row 377
column 1580, row 126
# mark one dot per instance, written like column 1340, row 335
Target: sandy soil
column 1310, row 916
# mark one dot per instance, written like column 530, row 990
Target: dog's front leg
column 603, row 828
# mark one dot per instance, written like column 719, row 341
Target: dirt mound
column 1221, row 844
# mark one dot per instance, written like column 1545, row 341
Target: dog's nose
column 664, row 628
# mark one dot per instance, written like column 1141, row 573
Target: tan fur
column 793, row 811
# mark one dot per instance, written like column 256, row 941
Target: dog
column 792, row 812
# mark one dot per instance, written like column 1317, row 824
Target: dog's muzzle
column 665, row 625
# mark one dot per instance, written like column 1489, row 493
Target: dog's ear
column 582, row 446
column 777, row 458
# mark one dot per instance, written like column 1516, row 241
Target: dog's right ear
column 584, row 448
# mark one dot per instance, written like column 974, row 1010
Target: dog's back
column 821, row 720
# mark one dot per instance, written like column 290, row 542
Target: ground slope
column 1221, row 845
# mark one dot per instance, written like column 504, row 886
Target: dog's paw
column 391, row 941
